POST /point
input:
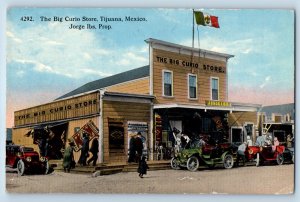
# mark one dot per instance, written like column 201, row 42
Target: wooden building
column 182, row 87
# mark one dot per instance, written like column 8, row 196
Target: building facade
column 182, row 87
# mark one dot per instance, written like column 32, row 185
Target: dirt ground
column 244, row 180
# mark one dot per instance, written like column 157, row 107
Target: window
column 215, row 88
column 168, row 83
column 192, row 86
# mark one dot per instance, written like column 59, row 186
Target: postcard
column 150, row 100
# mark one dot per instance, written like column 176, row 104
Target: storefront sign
column 78, row 106
column 184, row 63
column 217, row 103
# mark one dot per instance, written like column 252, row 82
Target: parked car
column 201, row 153
column 262, row 154
column 25, row 160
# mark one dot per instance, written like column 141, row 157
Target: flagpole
column 193, row 29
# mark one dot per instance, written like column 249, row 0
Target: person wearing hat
column 94, row 150
column 68, row 157
column 143, row 166
column 289, row 141
column 241, row 153
column 276, row 143
column 138, row 142
column 84, row 150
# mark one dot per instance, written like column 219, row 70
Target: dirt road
column 244, row 180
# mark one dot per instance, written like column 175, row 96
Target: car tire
column 280, row 159
column 21, row 167
column 257, row 160
column 228, row 161
column 46, row 168
column 174, row 164
column 192, row 163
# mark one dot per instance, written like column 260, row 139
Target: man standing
column 241, row 153
column 139, row 146
column 94, row 150
column 84, row 150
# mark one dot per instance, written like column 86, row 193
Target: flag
column 206, row 19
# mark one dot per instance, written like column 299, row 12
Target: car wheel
column 279, row 159
column 46, row 168
column 21, row 167
column 192, row 163
column 257, row 160
column 228, row 161
column 175, row 164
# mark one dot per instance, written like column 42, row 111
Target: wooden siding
column 239, row 118
column 180, row 78
column 124, row 111
column 139, row 86
column 19, row 138
column 59, row 110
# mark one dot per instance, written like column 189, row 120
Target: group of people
column 260, row 141
column 68, row 158
column 135, row 148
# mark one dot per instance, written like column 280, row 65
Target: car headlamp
column 28, row 159
column 42, row 159
column 250, row 151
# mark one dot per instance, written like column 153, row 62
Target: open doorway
column 237, row 135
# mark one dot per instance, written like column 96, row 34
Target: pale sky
column 47, row 59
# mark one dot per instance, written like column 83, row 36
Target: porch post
column 151, row 133
column 101, row 145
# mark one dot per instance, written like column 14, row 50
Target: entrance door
column 237, row 135
column 116, row 137
column 248, row 133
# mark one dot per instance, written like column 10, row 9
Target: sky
column 46, row 59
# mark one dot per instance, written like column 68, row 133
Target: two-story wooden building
column 182, row 87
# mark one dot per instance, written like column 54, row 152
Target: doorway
column 237, row 135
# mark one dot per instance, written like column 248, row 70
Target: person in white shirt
column 249, row 141
column 241, row 153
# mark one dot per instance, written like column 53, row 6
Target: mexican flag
column 206, row 19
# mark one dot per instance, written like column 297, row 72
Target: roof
column 181, row 47
column 280, row 109
column 109, row 81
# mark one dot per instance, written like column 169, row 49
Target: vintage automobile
column 25, row 160
column 262, row 154
column 201, row 153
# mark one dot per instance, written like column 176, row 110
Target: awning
column 234, row 107
column 43, row 126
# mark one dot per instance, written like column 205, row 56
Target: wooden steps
column 110, row 168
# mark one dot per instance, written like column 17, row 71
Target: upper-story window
column 192, row 82
column 167, row 83
column 215, row 88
